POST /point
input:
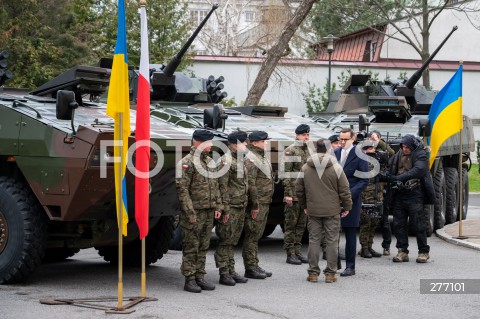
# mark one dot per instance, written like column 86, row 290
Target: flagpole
column 120, row 213
column 460, row 187
column 144, row 275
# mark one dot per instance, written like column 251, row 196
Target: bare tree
column 277, row 51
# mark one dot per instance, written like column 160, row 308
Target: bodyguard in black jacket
column 410, row 175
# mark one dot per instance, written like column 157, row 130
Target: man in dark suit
column 353, row 165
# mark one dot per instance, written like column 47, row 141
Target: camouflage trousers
column 228, row 236
column 295, row 222
column 253, row 232
column 195, row 242
column 367, row 230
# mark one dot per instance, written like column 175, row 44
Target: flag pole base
column 461, row 237
column 94, row 303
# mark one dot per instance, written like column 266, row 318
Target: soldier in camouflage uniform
column 233, row 189
column 368, row 223
column 200, row 202
column 260, row 191
column 295, row 218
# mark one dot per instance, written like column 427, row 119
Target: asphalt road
column 381, row 288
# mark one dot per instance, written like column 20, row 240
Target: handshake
column 387, row 177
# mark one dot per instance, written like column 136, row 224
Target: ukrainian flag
column 446, row 118
column 118, row 107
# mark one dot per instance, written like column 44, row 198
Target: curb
column 443, row 235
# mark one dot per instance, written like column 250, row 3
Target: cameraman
column 409, row 173
column 372, row 205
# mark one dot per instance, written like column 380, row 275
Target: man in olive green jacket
column 325, row 192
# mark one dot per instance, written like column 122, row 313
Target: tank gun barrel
column 418, row 74
column 170, row 68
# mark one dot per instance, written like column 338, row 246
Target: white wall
column 286, row 87
column 462, row 45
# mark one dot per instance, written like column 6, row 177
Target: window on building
column 366, row 52
column 249, row 16
column 369, row 52
column 197, row 16
column 373, row 49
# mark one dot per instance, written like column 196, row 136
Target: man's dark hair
column 321, row 147
column 348, row 130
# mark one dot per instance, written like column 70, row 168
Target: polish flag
column 142, row 132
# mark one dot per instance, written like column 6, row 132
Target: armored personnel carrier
column 397, row 109
column 54, row 199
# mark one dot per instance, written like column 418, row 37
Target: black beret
column 302, row 129
column 202, row 135
column 258, row 136
column 334, row 138
column 237, row 136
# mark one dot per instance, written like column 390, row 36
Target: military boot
column 238, row 279
column 365, row 253
column 191, row 286
column 293, row 260
column 267, row 273
column 302, row 258
column 312, row 277
column 254, row 274
column 401, row 256
column 374, row 253
column 386, row 251
column 422, row 257
column 205, row 285
column 227, row 280
column 329, row 278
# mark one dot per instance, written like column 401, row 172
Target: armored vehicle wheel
column 59, row 254
column 22, row 231
column 441, row 198
column 157, row 243
column 465, row 193
column 451, row 179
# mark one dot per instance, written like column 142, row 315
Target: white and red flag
column 142, row 132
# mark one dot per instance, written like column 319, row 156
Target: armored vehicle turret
column 397, row 109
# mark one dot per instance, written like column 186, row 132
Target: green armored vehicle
column 56, row 175
column 399, row 109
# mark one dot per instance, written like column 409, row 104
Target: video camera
column 373, row 210
column 361, row 136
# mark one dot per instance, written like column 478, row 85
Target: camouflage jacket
column 368, row 194
column 292, row 164
column 196, row 191
column 260, row 177
column 233, row 183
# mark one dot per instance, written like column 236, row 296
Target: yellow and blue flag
column 118, row 107
column 446, row 117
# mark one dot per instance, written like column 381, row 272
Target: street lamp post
column 329, row 39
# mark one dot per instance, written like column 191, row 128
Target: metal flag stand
column 93, row 303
